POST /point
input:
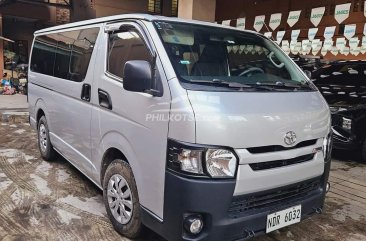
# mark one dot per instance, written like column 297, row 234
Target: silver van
column 194, row 130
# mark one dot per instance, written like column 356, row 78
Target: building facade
column 19, row 19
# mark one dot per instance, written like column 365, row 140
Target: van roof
column 146, row 17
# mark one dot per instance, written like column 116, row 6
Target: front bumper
column 212, row 199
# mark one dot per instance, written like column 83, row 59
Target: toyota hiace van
column 195, row 130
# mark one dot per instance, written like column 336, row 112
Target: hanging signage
column 363, row 41
column 295, row 34
column 315, row 51
column 293, row 17
column 298, row 46
column 324, row 52
column 317, row 15
column 341, row 12
column 306, row 46
column 268, row 34
column 259, row 22
column 285, row 44
column 329, row 32
column 355, row 51
column 353, row 42
column 341, row 43
column 314, row 43
column 345, row 51
column 226, row 22
column 293, row 44
column 349, row 31
column 240, row 23
column 334, row 51
column 294, row 51
column 328, row 43
column 312, row 33
column 363, row 49
column 364, row 10
column 275, row 21
column 287, row 51
column 316, row 46
column 280, row 35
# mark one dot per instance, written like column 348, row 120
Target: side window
column 71, row 52
column 124, row 46
column 43, row 55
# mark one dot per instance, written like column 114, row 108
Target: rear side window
column 64, row 55
column 124, row 46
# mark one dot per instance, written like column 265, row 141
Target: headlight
column 220, row 163
column 327, row 146
column 346, row 123
column 200, row 160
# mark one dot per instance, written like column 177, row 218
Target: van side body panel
column 68, row 116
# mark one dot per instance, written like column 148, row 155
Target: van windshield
column 221, row 58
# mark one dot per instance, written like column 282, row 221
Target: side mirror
column 137, row 76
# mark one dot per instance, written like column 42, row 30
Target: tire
column 128, row 225
column 44, row 142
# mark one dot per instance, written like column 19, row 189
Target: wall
column 251, row 8
column 197, row 9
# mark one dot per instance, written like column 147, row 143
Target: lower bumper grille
column 268, row 199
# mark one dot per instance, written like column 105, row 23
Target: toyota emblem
column 290, row 138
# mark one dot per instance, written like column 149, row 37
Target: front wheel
column 44, row 142
column 121, row 199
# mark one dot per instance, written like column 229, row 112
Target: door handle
column 104, row 99
column 85, row 92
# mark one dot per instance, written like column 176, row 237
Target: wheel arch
column 108, row 157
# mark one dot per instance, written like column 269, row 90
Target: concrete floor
column 17, row 101
column 53, row 201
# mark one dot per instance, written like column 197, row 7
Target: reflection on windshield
column 202, row 54
column 342, row 84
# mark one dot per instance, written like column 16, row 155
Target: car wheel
column 44, row 142
column 121, row 199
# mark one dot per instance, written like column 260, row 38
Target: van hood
column 243, row 120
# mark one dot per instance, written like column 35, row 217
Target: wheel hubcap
column 43, row 137
column 120, row 199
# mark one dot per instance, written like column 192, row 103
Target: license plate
column 283, row 218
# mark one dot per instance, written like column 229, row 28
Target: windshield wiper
column 235, row 85
column 283, row 85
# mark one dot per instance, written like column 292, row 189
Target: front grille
column 281, row 163
column 275, row 148
column 241, row 205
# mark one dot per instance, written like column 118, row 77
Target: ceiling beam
column 67, row 3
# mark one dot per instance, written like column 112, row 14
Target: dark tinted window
column 64, row 55
column 125, row 46
column 43, row 55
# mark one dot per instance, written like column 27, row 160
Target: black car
column 343, row 84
